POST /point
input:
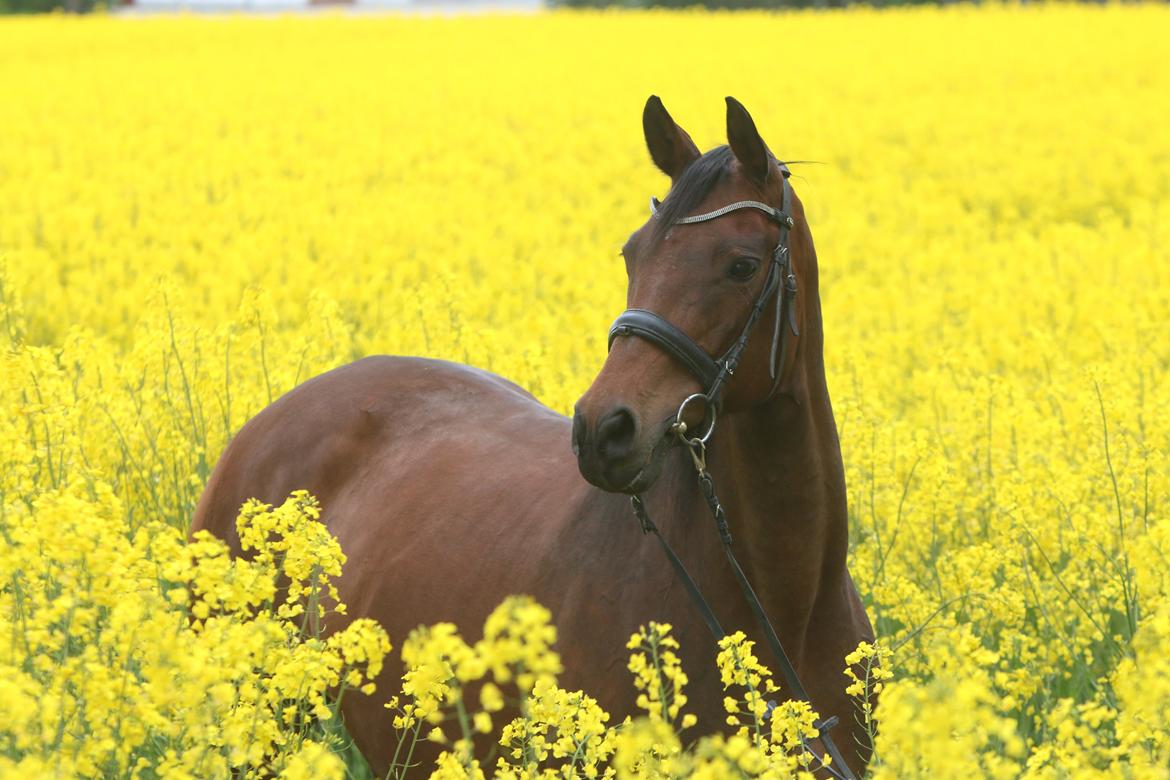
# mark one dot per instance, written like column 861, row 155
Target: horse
column 450, row 488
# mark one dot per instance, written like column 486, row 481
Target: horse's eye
column 743, row 269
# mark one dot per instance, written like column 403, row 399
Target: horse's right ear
column 670, row 147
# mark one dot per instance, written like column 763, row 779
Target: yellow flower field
column 196, row 214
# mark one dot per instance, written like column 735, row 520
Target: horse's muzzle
column 612, row 455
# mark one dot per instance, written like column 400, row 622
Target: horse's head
column 721, row 277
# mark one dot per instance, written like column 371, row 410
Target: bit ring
column 680, row 427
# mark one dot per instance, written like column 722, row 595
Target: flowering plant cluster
column 141, row 655
column 563, row 734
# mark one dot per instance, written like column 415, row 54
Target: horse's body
column 450, row 488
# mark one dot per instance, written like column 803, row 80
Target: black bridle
column 713, row 375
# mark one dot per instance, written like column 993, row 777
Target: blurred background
column 423, row 6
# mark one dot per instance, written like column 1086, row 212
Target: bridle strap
column 719, row 212
column 714, row 373
column 653, row 328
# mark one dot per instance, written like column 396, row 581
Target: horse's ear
column 670, row 147
column 745, row 142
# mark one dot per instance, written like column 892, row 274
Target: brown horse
column 450, row 488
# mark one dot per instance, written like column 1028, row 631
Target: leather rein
column 713, row 375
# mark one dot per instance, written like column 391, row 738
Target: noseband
column 714, row 373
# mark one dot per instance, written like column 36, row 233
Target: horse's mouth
column 649, row 473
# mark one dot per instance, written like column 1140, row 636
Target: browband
column 775, row 214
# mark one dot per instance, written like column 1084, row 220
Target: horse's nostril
column 616, row 433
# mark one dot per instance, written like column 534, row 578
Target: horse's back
column 353, row 430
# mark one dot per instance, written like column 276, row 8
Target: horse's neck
column 778, row 473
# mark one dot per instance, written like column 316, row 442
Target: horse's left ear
column 745, row 142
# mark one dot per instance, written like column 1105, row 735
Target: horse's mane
column 695, row 183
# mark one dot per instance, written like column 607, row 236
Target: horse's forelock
column 695, row 184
